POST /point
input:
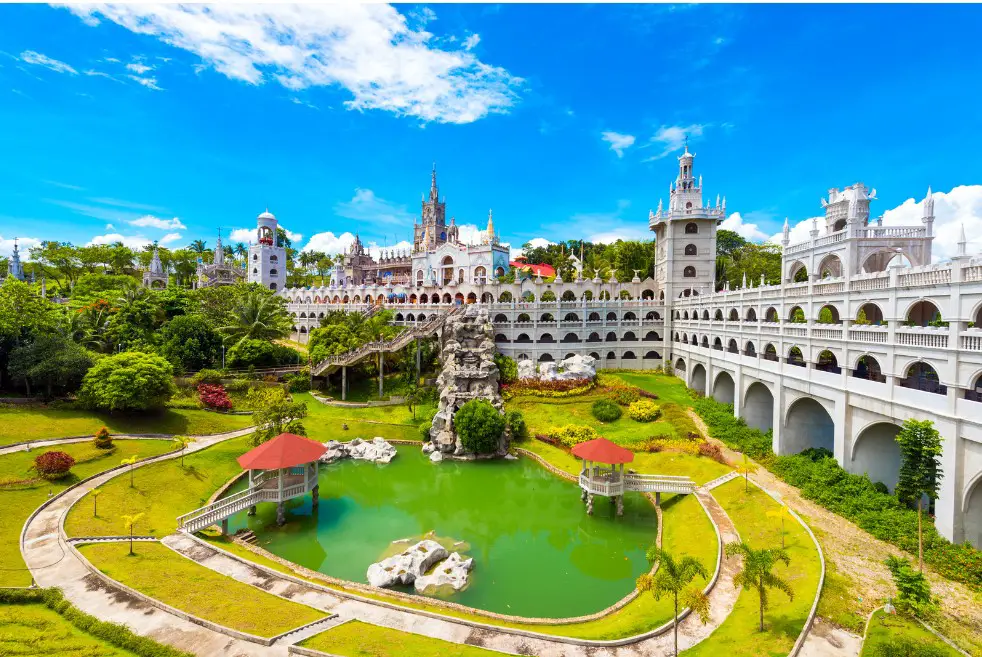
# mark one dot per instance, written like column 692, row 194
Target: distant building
column 155, row 276
column 543, row 270
column 218, row 272
column 267, row 259
column 14, row 266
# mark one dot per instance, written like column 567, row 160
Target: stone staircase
column 302, row 633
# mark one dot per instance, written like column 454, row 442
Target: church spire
column 14, row 267
column 434, row 190
column 490, row 227
column 219, row 258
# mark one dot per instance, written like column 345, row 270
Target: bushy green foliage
column 507, row 368
column 425, row 419
column 130, row 381
column 49, row 360
column 679, row 418
column 913, row 589
column 115, row 634
column 572, row 434
column 299, row 381
column 331, row 340
column 190, row 343
column 606, row 410
column 260, row 353
column 275, row 413
column 643, row 410
column 212, row 377
column 515, row 422
column 479, row 426
column 54, row 464
column 733, row 431
column 902, row 646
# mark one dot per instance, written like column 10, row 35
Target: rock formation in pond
column 376, row 451
column 469, row 372
column 452, row 573
column 574, row 367
column 405, row 567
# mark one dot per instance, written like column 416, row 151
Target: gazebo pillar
column 315, row 492
column 280, row 506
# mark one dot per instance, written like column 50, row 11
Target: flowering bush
column 643, row 410
column 572, row 434
column 712, row 451
column 552, row 389
column 214, row 396
column 622, row 393
column 102, row 439
column 666, row 444
column 54, row 465
column 606, row 410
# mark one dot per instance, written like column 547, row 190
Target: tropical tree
column 190, row 343
column 130, row 381
column 674, row 578
column 131, row 461
column 129, row 521
column 756, row 572
column 95, row 501
column 746, row 468
column 920, row 470
column 183, row 442
column 257, row 316
column 198, row 246
column 781, row 513
column 414, row 396
column 275, row 413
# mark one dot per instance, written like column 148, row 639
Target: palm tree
column 746, row 468
column 257, row 316
column 198, row 246
column 129, row 522
column 241, row 250
column 414, row 395
column 95, row 501
column 130, row 462
column 183, row 442
column 756, row 572
column 673, row 577
column 782, row 513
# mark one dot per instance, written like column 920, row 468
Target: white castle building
column 267, row 259
column 837, row 355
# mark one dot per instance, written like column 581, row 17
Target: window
column 689, row 272
column 691, row 250
column 273, row 272
column 273, row 258
column 255, row 257
column 691, row 228
column 688, row 206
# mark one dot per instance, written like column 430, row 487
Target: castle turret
column 267, row 259
column 14, row 266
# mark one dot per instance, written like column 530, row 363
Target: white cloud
column 961, row 206
column 132, row 241
column 671, row 138
column 149, row 83
column 366, row 206
column 471, row 42
column 618, row 142
column 368, row 49
column 36, row 58
column 150, row 221
column 169, row 237
column 329, row 242
column 23, row 246
column 535, row 243
column 471, row 233
column 742, row 227
column 139, row 68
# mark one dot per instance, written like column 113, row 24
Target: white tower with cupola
column 267, row 259
column 685, row 235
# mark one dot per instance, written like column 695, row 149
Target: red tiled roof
column 601, row 450
column 539, row 270
column 284, row 451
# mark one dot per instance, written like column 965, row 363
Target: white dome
column 266, row 215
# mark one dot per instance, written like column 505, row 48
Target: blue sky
column 145, row 122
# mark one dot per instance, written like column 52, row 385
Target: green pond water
column 536, row 551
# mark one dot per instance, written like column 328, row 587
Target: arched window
column 273, row 272
column 770, row 353
column 828, row 315
column 505, row 297
column 771, row 315
column 797, row 315
column 734, row 315
column 691, row 228
column 751, row 315
column 547, row 337
column 718, row 344
column 689, row 272
column 611, row 337
column 594, row 317
column 975, row 394
column 691, row 250
column 869, row 314
column 732, row 347
column 569, row 295
column 611, row 317
column 594, row 337
column 571, row 317
column 705, row 314
column 924, row 313
column 922, row 376
column 523, row 337
column 827, row 362
column 705, row 342
column 547, row 317
column 480, row 275
column 718, row 316
column 500, row 319
column 750, row 350
column 868, row 368
column 795, row 357
column 523, row 317
column 629, row 337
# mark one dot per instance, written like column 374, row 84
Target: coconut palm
column 198, row 246
column 130, row 462
column 241, row 250
column 673, row 578
column 257, row 316
column 183, row 443
column 95, row 501
column 129, row 522
column 756, row 572
column 746, row 468
column 782, row 513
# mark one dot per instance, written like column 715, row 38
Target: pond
column 536, row 551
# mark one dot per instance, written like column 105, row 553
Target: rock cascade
column 376, row 451
column 469, row 372
column 574, row 367
column 405, row 567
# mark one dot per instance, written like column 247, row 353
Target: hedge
column 854, row 497
column 115, row 634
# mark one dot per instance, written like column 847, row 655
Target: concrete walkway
column 53, row 564
column 36, row 444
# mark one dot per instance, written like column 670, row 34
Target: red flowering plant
column 54, row 465
column 214, row 396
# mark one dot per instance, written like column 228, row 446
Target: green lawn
column 366, row 388
column 33, row 629
column 885, row 628
column 325, row 422
column 699, row 468
column 738, row 635
column 159, row 572
column 161, row 491
column 20, row 499
column 20, row 423
column 668, row 388
column 357, row 639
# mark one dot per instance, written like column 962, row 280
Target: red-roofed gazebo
column 285, row 451
column 600, row 480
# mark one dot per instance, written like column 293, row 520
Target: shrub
column 680, row 420
column 643, row 410
column 623, row 395
column 189, row 343
column 605, row 410
column 479, row 426
column 551, row 389
column 515, row 422
column 54, row 465
column 130, row 381
column 666, row 443
column 259, row 354
column 913, row 590
column 425, row 418
column 572, row 434
column 712, row 451
column 102, row 439
column 299, row 381
column 902, row 646
column 214, row 377
column 214, row 396
column 507, row 368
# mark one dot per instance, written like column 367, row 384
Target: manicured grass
column 357, row 639
column 325, row 422
column 21, row 423
column 738, row 635
column 33, row 629
column 668, row 388
column 161, row 491
column 699, row 468
column 159, row 572
column 366, row 388
column 884, row 628
column 19, row 500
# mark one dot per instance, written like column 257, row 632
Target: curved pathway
column 49, row 442
column 45, row 550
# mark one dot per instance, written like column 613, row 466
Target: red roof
column 284, row 451
column 539, row 270
column 601, row 450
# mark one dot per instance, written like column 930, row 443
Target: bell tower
column 433, row 212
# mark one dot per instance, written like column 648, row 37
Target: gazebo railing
column 648, row 483
column 212, row 513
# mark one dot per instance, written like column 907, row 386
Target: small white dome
column 266, row 215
